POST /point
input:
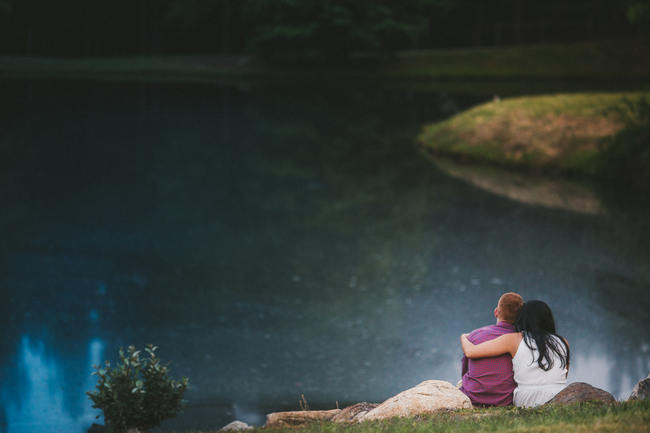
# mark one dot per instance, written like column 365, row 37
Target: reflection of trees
column 3, row 420
column 628, row 332
column 616, row 370
column 44, row 383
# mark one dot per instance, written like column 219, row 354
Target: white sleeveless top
column 534, row 385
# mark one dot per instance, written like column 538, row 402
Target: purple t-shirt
column 489, row 381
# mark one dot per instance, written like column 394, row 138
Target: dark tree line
column 318, row 28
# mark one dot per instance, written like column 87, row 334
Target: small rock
column 579, row 392
column 354, row 413
column 641, row 390
column 236, row 425
column 429, row 396
column 299, row 418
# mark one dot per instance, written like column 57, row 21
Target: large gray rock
column 299, row 418
column 428, row 397
column 579, row 392
column 641, row 390
column 354, row 413
column 236, row 425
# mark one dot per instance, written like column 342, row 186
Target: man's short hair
column 509, row 305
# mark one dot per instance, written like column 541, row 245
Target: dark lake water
column 278, row 242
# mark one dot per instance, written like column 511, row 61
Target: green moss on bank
column 568, row 133
column 620, row 417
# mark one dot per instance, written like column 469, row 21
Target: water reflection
column 553, row 192
column 617, row 374
column 275, row 244
column 45, row 397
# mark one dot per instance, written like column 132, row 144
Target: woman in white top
column 540, row 357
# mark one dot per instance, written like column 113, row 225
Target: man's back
column 489, row 381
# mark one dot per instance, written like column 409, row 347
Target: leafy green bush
column 137, row 392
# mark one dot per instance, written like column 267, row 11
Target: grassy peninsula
column 579, row 134
column 588, row 417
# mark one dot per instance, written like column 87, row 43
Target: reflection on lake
column 43, row 398
column 274, row 243
column 540, row 190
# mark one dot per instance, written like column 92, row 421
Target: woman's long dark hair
column 535, row 319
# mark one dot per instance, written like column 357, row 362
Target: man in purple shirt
column 490, row 381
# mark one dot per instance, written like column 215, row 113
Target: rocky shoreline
column 428, row 397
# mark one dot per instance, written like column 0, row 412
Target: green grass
column 566, row 133
column 619, row 63
column 617, row 59
column 620, row 417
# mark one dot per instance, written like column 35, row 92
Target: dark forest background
column 302, row 28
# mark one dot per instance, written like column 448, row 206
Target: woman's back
column 536, row 386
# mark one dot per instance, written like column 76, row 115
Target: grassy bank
column 619, row 63
column 621, row 417
column 568, row 133
column 592, row 60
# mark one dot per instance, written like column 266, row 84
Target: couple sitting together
column 520, row 360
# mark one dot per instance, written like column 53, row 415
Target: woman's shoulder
column 518, row 335
column 512, row 341
column 510, row 336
